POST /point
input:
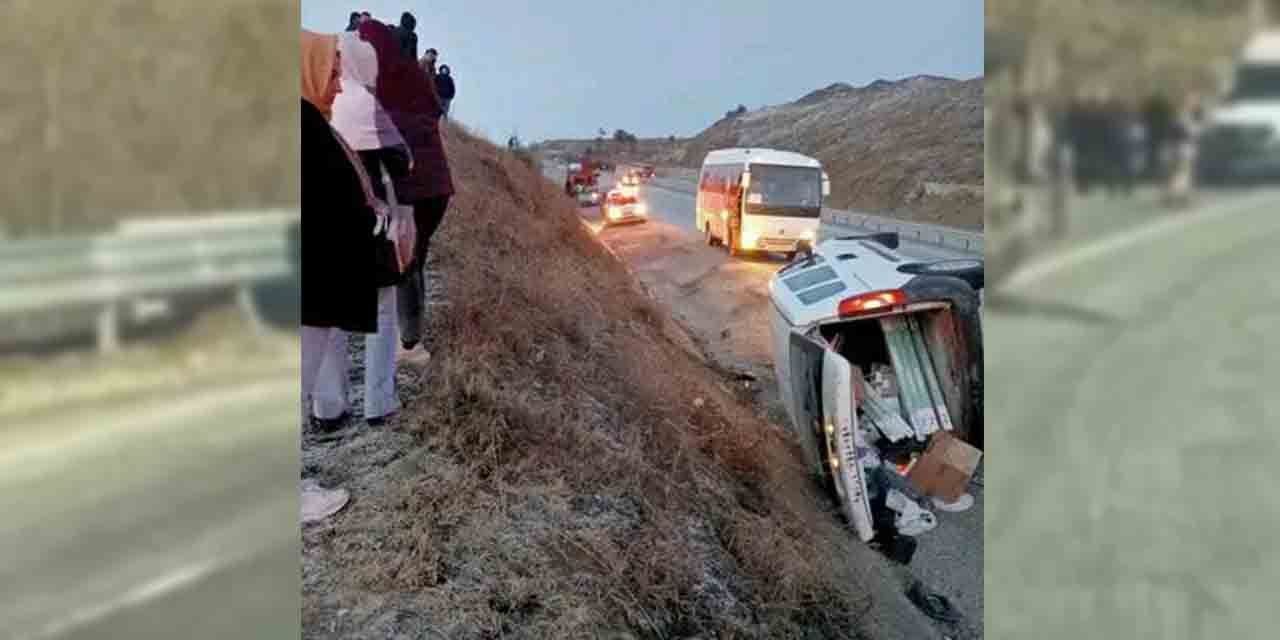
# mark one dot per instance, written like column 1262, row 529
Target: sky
column 564, row 69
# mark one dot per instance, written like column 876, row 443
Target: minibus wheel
column 971, row 270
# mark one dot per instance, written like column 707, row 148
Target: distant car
column 1238, row 143
column 620, row 207
column 645, row 173
column 587, row 196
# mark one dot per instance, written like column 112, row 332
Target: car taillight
column 872, row 302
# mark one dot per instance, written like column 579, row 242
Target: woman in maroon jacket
column 410, row 98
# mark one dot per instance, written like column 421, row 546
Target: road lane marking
column 23, row 459
column 1110, row 244
column 141, row 594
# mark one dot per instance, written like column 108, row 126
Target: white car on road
column 623, row 205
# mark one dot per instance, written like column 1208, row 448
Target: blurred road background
column 152, row 490
column 1130, row 345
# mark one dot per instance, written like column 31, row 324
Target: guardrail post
column 244, row 299
column 108, row 328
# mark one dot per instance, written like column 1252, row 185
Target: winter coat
column 338, row 287
column 410, row 98
column 444, row 87
column 407, row 40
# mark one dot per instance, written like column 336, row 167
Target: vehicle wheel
column 970, row 270
column 791, row 256
column 706, row 234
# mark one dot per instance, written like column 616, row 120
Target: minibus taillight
column 872, row 302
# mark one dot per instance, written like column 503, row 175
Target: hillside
column 910, row 149
column 568, row 466
column 655, row 151
column 110, row 109
column 880, row 144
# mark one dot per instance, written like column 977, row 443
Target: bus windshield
column 774, row 186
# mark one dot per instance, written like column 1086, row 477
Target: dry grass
column 556, row 478
column 122, row 106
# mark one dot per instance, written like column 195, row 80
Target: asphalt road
column 1131, row 391
column 724, row 302
column 156, row 514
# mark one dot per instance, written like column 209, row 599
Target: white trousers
column 333, row 387
column 315, row 350
column 332, row 394
column 380, row 398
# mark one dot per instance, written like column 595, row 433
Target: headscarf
column 319, row 52
column 357, row 115
column 318, row 55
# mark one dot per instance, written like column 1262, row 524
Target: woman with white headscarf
column 367, row 128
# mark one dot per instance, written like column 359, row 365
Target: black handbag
column 388, row 270
column 385, row 266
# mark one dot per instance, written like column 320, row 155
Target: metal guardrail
column 946, row 237
column 93, row 277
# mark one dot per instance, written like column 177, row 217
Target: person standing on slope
column 410, row 99
column 446, row 89
column 406, row 37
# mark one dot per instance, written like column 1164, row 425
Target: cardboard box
column 945, row 468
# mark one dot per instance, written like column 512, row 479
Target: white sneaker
column 963, row 503
column 319, row 503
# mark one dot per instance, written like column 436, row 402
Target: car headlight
column 614, row 213
column 641, row 209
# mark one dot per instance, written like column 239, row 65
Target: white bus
column 760, row 199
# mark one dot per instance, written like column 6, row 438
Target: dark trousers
column 411, row 292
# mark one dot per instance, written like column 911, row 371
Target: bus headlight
column 614, row 213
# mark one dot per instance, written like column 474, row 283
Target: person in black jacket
column 444, row 87
column 406, row 37
column 339, row 289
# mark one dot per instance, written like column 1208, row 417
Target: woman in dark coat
column 410, row 99
column 339, row 292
